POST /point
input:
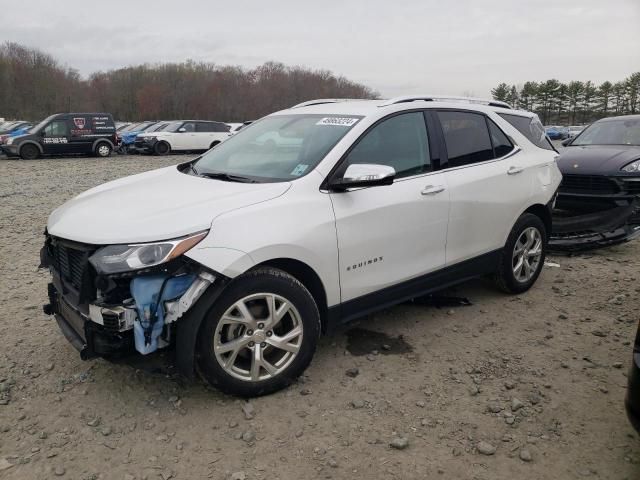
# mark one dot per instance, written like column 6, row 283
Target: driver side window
column 400, row 142
column 57, row 128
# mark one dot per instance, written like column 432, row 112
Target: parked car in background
column 64, row 134
column 601, row 182
column 575, row 130
column 20, row 129
column 122, row 125
column 557, row 133
column 183, row 136
column 127, row 136
column 241, row 257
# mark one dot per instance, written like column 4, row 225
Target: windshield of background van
column 611, row 132
column 278, row 148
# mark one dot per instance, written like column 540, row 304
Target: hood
column 151, row 206
column 597, row 159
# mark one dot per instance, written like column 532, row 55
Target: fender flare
column 100, row 140
column 26, row 142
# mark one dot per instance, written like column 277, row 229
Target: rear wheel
column 161, row 148
column 523, row 255
column 103, row 149
column 29, row 152
column 260, row 335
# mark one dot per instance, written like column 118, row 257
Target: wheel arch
column 308, row 277
column 31, row 142
column 102, row 140
column 214, row 143
column 544, row 213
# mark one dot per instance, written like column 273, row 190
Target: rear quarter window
column 531, row 128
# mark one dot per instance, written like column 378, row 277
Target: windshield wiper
column 227, row 177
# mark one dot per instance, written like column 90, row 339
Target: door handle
column 432, row 189
column 514, row 170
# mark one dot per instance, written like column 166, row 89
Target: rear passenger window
column 400, row 142
column 501, row 143
column 204, row 127
column 466, row 137
column 531, row 128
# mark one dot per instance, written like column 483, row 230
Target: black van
column 66, row 133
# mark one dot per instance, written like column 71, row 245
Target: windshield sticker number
column 338, row 121
column 299, row 170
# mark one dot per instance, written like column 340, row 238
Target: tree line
column 33, row 85
column 574, row 102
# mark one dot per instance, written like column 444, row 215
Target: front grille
column 631, row 187
column 586, row 184
column 72, row 264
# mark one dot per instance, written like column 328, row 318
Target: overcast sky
column 396, row 47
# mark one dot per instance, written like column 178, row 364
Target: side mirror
column 566, row 142
column 361, row 175
column 182, row 129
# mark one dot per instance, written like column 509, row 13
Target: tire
column 162, row 148
column 103, row 150
column 528, row 235
column 213, row 144
column 223, row 324
column 29, row 152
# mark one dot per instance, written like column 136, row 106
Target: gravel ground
column 526, row 387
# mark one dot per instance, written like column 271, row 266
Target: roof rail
column 444, row 98
column 320, row 101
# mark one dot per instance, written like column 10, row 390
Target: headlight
column 124, row 258
column 633, row 167
column 150, row 139
column 9, row 141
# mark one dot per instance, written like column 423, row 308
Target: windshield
column 158, row 127
column 173, row 126
column 278, row 148
column 41, row 125
column 131, row 128
column 611, row 132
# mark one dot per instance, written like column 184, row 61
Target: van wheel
column 213, row 144
column 162, row 148
column 523, row 255
column 103, row 150
column 29, row 152
column 260, row 334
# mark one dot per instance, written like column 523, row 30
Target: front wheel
column 522, row 257
column 161, row 148
column 260, row 335
column 29, row 152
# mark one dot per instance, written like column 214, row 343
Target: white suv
column 183, row 135
column 243, row 256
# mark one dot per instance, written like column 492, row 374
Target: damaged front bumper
column 114, row 316
column 609, row 225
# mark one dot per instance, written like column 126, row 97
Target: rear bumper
column 90, row 339
column 632, row 399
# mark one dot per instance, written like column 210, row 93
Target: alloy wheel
column 258, row 337
column 527, row 253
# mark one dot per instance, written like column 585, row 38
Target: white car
column 181, row 136
column 242, row 257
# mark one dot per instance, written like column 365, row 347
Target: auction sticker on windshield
column 338, row 121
